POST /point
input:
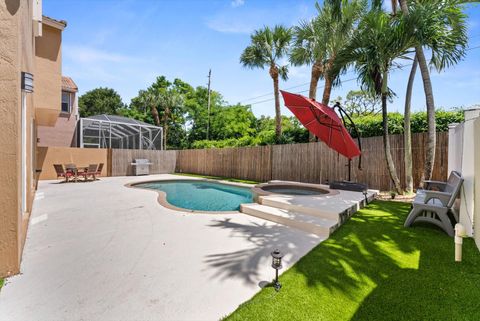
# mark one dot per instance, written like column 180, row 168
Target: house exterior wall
column 48, row 65
column 61, row 134
column 55, row 128
column 16, row 54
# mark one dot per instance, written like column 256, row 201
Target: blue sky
column 125, row 44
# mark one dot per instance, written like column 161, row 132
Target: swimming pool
column 201, row 195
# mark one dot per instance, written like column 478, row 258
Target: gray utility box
column 141, row 166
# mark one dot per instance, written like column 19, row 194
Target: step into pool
column 201, row 195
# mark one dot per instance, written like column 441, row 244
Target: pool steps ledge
column 320, row 216
column 322, row 227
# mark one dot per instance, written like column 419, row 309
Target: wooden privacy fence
column 121, row 161
column 314, row 162
column 309, row 162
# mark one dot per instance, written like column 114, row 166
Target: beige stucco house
column 55, row 97
column 35, row 101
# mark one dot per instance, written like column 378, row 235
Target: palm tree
column 444, row 33
column 440, row 26
column 373, row 50
column 150, row 100
column 170, row 100
column 407, row 130
column 268, row 46
column 317, row 42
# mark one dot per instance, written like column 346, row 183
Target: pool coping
column 162, row 196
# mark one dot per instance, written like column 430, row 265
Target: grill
column 141, row 166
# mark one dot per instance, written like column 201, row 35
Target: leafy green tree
column 100, row 101
column 266, row 48
column 150, row 99
column 232, row 122
column 293, row 131
column 170, row 103
column 161, row 104
column 373, row 50
column 317, row 42
column 439, row 26
column 197, row 114
column 361, row 103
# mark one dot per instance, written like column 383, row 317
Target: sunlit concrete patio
column 103, row 251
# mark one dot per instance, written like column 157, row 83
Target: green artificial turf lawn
column 373, row 268
column 219, row 178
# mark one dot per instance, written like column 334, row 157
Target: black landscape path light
column 277, row 265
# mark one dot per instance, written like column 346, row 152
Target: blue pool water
column 202, row 196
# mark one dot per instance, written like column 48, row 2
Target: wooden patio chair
column 91, row 171
column 62, row 173
column 99, row 170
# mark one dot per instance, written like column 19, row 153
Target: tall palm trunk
column 278, row 115
column 407, row 134
column 427, row 87
column 156, row 117
column 386, row 140
column 327, row 90
column 431, row 140
column 317, row 71
column 165, row 128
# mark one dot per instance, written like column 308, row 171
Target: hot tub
column 291, row 189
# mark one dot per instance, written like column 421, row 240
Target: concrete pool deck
column 103, row 251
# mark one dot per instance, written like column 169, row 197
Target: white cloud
column 245, row 20
column 299, row 73
column 227, row 24
column 237, row 3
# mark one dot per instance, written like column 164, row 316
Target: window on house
column 67, row 101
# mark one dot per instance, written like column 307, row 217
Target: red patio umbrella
column 323, row 122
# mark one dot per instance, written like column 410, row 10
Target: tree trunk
column 278, row 115
column 156, row 117
column 327, row 90
column 394, row 7
column 316, row 73
column 407, row 134
column 431, row 140
column 312, row 94
column 165, row 128
column 427, row 88
column 386, row 140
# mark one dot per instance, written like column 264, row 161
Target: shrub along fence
column 314, row 162
column 308, row 162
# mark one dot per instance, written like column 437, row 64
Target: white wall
column 455, row 147
column 476, row 218
column 462, row 148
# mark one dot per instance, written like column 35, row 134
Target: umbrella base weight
column 348, row 186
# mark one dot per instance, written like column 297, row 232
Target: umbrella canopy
column 323, row 122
